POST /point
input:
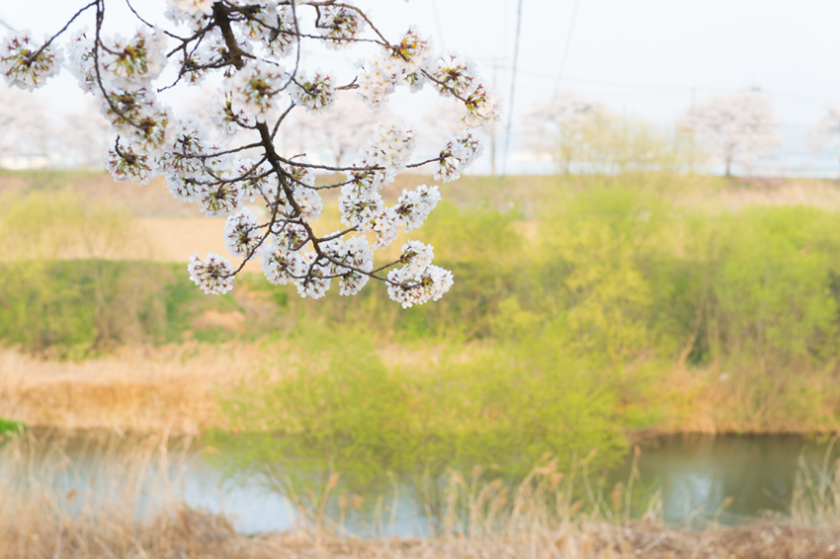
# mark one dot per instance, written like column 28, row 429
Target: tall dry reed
column 108, row 514
column 816, row 493
column 95, row 504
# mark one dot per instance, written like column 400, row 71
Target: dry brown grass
column 152, row 200
column 102, row 518
column 819, row 193
column 137, row 389
column 176, row 239
column 193, row 534
column 709, row 402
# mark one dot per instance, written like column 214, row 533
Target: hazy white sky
column 640, row 56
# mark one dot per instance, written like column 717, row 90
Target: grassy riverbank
column 642, row 303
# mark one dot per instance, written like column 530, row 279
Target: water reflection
column 693, row 477
column 696, row 474
column 250, row 505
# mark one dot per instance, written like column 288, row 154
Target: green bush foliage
column 336, row 409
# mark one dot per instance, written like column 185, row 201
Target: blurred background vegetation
column 586, row 310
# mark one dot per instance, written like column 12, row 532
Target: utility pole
column 512, row 86
column 493, row 127
column 692, row 154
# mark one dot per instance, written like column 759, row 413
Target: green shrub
column 330, row 406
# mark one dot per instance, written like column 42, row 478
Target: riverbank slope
column 653, row 303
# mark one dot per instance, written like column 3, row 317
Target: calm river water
column 694, row 475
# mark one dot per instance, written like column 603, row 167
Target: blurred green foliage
column 558, row 336
column 558, row 340
column 9, row 426
column 60, row 295
column 339, row 410
column 78, row 308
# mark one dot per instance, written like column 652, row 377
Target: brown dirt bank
column 192, row 534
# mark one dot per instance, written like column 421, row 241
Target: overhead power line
column 512, row 86
column 437, row 24
column 568, row 45
column 7, row 26
column 665, row 89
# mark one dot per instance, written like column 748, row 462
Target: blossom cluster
column 418, row 281
column 229, row 163
column 458, row 154
column 413, row 62
column 340, row 25
column 284, row 261
column 360, row 202
column 214, row 274
column 410, row 290
column 316, row 93
column 256, row 88
column 24, row 64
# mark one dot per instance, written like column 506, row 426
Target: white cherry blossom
column 220, row 200
column 242, row 234
column 291, row 237
column 456, row 156
column 316, row 282
column 273, row 28
column 226, row 117
column 339, row 24
column 128, row 165
column 409, row 290
column 214, row 275
column 135, row 61
column 193, row 7
column 739, row 129
column 256, row 88
column 23, row 66
column 417, row 256
column 281, row 267
column 412, row 52
column 415, row 206
column 315, row 93
column 80, row 51
column 360, row 256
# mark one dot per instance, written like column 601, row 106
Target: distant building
column 24, row 161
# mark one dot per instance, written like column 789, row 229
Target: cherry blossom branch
column 153, row 141
column 37, row 53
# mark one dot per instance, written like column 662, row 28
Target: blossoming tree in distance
column 827, row 134
column 737, row 128
column 559, row 128
column 255, row 46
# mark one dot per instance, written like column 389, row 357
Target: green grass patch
column 9, row 428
